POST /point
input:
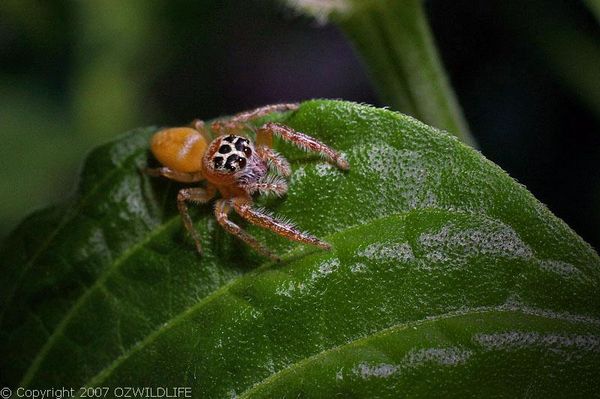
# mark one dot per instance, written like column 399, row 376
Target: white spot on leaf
column 563, row 269
column 521, row 339
column 492, row 239
column 441, row 356
column 292, row 288
column 388, row 251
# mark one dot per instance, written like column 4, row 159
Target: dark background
column 75, row 74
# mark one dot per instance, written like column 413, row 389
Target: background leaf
column 444, row 273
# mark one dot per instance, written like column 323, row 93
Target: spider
column 237, row 168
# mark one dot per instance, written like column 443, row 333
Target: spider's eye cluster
column 233, row 154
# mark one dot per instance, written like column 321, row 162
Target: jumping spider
column 236, row 167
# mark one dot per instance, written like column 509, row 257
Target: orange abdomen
column 179, row 148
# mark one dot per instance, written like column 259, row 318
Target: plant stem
column 396, row 44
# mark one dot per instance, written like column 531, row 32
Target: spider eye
column 241, row 143
column 235, row 162
column 224, row 149
column 247, row 152
column 218, row 162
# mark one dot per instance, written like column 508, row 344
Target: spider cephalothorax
column 233, row 158
column 237, row 168
column 232, row 154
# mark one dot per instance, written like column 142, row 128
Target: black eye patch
column 218, row 162
column 234, row 159
column 230, row 160
column 240, row 144
column 229, row 138
column 225, row 148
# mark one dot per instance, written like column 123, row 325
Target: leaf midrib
column 81, row 300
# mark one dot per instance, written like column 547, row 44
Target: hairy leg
column 222, row 209
column 198, row 195
column 182, row 177
column 269, row 185
column 200, row 126
column 286, row 229
column 262, row 111
column 301, row 140
column 273, row 158
column 238, row 122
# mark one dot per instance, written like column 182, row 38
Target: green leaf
column 444, row 273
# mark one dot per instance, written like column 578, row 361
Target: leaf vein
column 388, row 331
column 35, row 364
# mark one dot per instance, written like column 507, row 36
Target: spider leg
column 169, row 173
column 301, row 140
column 197, row 124
column 200, row 126
column 262, row 111
column 270, row 185
column 222, row 209
column 286, row 229
column 237, row 123
column 281, row 165
column 198, row 195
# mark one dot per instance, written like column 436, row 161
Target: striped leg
column 286, row 229
column 273, row 158
column 198, row 195
column 238, row 122
column 269, row 185
column 301, row 140
column 222, row 209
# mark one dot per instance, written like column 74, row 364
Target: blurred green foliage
column 70, row 79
